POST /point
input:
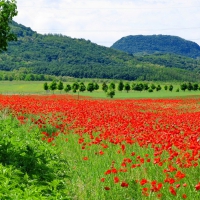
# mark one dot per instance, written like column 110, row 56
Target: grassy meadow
column 36, row 87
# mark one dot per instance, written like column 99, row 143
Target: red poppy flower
column 102, row 179
column 85, row 158
column 124, row 184
column 172, row 190
column 143, row 181
column 197, row 186
column 116, row 179
column 107, row 188
column 180, row 175
column 184, row 196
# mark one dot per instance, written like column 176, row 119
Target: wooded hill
column 150, row 44
column 64, row 56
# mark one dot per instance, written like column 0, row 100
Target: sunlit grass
column 36, row 87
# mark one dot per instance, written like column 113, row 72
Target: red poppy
column 102, row 179
column 180, row 175
column 124, row 184
column 143, row 181
column 116, row 179
column 197, row 186
column 184, row 196
column 85, row 158
column 172, row 190
column 107, row 188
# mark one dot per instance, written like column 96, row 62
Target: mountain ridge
column 150, row 44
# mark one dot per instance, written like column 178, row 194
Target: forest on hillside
column 60, row 55
column 150, row 44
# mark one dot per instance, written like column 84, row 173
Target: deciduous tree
column 45, row 86
column 127, row 87
column 82, row 87
column 60, row 86
column 53, row 86
column 90, row 87
column 120, row 86
column 104, row 87
column 171, row 88
column 8, row 9
column 67, row 88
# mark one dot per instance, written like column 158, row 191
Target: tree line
column 110, row 88
column 24, row 74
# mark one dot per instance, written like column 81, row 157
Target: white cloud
column 105, row 21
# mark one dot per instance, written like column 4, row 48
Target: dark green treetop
column 8, row 9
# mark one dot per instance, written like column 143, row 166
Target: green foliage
column 96, row 86
column 75, row 87
column 90, row 87
column 145, row 86
column 140, row 44
column 120, row 86
column 195, row 86
column 190, row 86
column 8, row 9
column 183, row 86
column 172, row 60
column 45, row 86
column 30, row 168
column 24, row 74
column 104, row 87
column 150, row 90
column 158, row 88
column 153, row 87
column 111, row 86
column 138, row 87
column 53, row 86
column 82, row 87
column 111, row 93
column 127, row 87
column 63, row 56
column 171, row 88
column 60, row 86
column 67, row 88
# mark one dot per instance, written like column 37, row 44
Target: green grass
column 29, row 168
column 36, row 87
column 38, row 170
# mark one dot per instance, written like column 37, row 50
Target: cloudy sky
column 105, row 21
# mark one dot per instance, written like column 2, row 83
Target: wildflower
column 102, row 179
column 172, row 190
column 184, row 196
column 107, row 188
column 124, row 184
column 184, row 184
column 180, row 175
column 85, row 158
column 116, row 179
column 197, row 186
column 143, row 181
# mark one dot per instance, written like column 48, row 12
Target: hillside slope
column 172, row 60
column 150, row 44
column 64, row 56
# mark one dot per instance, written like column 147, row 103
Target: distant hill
column 150, row 44
column 64, row 56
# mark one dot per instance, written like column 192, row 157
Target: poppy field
column 117, row 149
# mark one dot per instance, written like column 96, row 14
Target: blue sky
column 105, row 21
